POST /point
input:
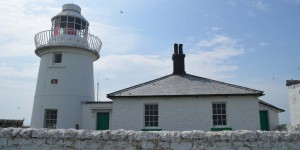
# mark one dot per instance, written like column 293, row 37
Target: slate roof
column 291, row 82
column 6, row 123
column 270, row 105
column 183, row 85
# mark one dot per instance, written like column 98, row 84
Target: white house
column 293, row 87
column 181, row 101
column 64, row 95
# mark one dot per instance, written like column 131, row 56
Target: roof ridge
column 138, row 85
column 291, row 82
column 229, row 84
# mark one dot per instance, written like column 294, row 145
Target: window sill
column 151, row 129
column 56, row 66
column 220, row 129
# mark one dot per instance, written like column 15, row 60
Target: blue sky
column 252, row 43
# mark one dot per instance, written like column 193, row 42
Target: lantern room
column 70, row 21
column 69, row 28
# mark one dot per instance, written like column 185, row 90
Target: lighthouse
column 65, row 78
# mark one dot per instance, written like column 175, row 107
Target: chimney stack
column 178, row 59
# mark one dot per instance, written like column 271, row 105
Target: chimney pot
column 180, row 49
column 175, row 48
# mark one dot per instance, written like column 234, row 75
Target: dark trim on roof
column 203, row 95
column 115, row 94
column 270, row 105
column 291, row 82
column 99, row 102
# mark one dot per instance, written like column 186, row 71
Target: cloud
column 263, row 44
column 217, row 41
column 215, row 29
column 296, row 2
column 115, row 39
column 211, row 57
column 232, row 3
column 24, row 70
column 20, row 24
column 257, row 5
column 260, row 5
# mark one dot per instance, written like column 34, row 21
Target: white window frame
column 220, row 114
column 153, row 114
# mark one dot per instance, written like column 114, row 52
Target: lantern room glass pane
column 63, row 18
column 70, row 19
column 77, row 27
column 71, row 25
column 63, row 24
column 78, row 20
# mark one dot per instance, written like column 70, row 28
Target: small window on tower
column 54, row 81
column 57, row 58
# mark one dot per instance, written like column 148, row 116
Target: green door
column 103, row 121
column 264, row 120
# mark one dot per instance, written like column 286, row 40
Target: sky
column 253, row 43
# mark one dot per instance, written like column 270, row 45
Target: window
column 219, row 114
column 151, row 115
column 50, row 118
column 54, row 81
column 57, row 57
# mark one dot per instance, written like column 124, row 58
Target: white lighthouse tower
column 65, row 78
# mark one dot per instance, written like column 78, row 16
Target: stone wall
column 17, row 138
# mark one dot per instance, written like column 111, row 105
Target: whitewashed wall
column 89, row 114
column 186, row 113
column 75, row 84
column 24, row 139
column 273, row 116
column 294, row 103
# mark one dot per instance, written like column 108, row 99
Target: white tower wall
column 75, row 84
column 294, row 103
